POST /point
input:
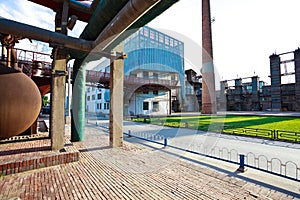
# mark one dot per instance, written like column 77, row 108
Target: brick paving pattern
column 131, row 172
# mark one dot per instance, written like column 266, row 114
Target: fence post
column 165, row 142
column 242, row 163
column 275, row 134
column 186, row 125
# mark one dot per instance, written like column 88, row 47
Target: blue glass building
column 154, row 75
column 154, row 58
column 151, row 50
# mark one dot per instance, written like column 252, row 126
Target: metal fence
column 275, row 166
column 283, row 135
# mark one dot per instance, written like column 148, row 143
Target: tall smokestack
column 208, row 76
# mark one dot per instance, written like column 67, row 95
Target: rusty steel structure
column 20, row 102
column 208, row 74
column 281, row 96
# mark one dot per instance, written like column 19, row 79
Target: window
column 99, row 95
column 167, row 41
column 145, row 105
column 98, row 106
column 175, row 42
column 88, row 98
column 145, row 92
column 171, row 42
column 106, row 106
column 145, row 74
column 152, row 35
column 107, row 69
column 155, row 75
column 145, row 32
column 155, row 106
column 173, row 77
column 161, row 38
column 93, row 97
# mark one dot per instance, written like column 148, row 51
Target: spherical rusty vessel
column 20, row 104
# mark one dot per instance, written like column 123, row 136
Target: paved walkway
column 135, row 171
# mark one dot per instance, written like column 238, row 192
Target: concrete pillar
column 223, row 100
column 116, row 100
column 57, row 117
column 238, row 93
column 58, row 84
column 255, row 93
column 297, row 74
column 275, row 82
column 208, row 76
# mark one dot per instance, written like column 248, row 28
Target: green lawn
column 237, row 125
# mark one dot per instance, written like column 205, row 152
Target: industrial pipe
column 27, row 31
column 129, row 14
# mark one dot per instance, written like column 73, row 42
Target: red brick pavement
column 131, row 172
column 23, row 153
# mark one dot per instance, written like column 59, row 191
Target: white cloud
column 29, row 13
column 33, row 14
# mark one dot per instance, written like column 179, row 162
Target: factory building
column 251, row 94
column 154, row 79
column 241, row 94
column 280, row 96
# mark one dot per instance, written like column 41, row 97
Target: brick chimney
column 208, row 76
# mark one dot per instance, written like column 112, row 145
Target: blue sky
column 245, row 32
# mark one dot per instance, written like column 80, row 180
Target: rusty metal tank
column 20, row 102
